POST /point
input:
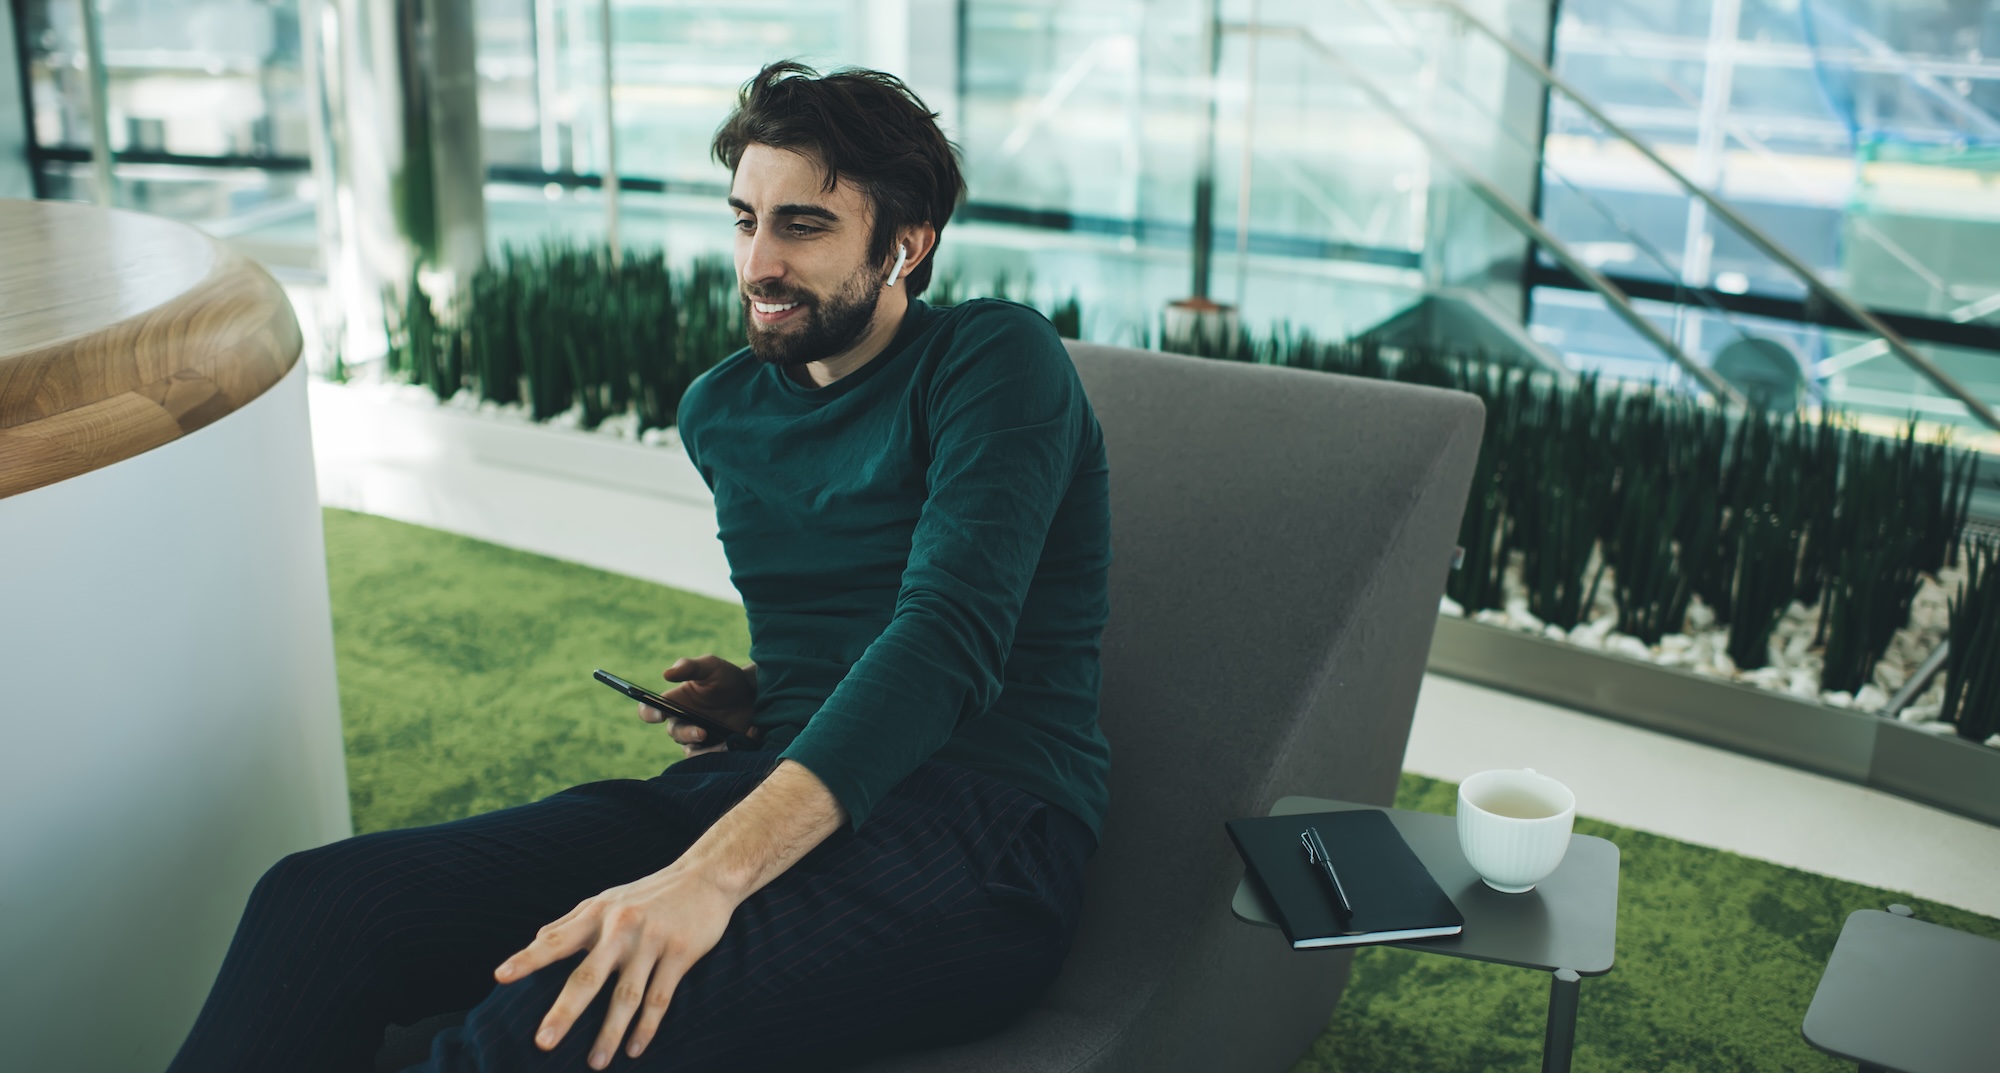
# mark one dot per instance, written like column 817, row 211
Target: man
column 914, row 503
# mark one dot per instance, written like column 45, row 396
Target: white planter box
column 1861, row 747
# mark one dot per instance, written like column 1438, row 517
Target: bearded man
column 890, row 850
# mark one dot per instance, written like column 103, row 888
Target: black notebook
column 1393, row 894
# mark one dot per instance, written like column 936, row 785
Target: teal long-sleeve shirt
column 922, row 547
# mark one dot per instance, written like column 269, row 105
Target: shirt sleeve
column 1006, row 420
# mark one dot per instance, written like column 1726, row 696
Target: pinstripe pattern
column 946, row 914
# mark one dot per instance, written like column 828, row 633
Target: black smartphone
column 716, row 731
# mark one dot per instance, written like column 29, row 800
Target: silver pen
column 1316, row 854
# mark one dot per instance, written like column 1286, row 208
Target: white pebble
column 1890, row 675
column 1626, row 645
column 1766, row 677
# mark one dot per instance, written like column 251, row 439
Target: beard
column 823, row 327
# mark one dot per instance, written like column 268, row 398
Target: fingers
column 697, row 750
column 556, row 941
column 624, row 1003
column 647, row 961
column 584, row 983
column 666, row 978
column 695, row 667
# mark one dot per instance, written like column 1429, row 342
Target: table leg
column 1561, row 1037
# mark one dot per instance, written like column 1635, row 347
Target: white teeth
column 766, row 307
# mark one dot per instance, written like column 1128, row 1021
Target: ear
column 919, row 240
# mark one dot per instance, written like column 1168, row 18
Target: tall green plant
column 1067, row 317
column 710, row 316
column 1816, row 470
column 491, row 321
column 1207, row 337
column 1565, row 505
column 423, row 348
column 1749, row 511
column 561, row 326
column 947, row 288
column 1936, row 480
column 1661, row 525
column 1740, row 487
column 1867, row 601
column 1700, row 436
column 1775, row 521
column 1874, row 578
column 1648, row 585
column 1485, row 529
column 1972, row 664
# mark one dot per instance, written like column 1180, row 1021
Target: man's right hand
column 714, row 687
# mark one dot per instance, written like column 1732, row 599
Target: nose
column 758, row 263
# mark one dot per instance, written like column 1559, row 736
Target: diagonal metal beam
column 1518, row 217
column 1819, row 287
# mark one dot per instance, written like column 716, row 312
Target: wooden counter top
column 121, row 332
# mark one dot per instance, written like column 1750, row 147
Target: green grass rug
column 465, row 687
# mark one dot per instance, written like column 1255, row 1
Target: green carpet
column 465, row 670
column 465, row 686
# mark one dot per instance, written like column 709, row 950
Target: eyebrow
column 815, row 211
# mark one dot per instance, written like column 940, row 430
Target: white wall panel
column 169, row 728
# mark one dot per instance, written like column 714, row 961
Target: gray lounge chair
column 1280, row 541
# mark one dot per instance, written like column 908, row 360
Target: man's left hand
column 647, row 934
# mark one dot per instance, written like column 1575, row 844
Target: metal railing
column 1509, row 210
column 1816, row 287
column 1523, row 220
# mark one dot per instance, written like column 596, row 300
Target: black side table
column 1567, row 925
column 1901, row 994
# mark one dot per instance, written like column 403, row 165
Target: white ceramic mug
column 1514, row 827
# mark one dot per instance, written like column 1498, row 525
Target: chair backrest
column 1280, row 539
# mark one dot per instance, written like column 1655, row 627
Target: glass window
column 209, row 78
column 1861, row 135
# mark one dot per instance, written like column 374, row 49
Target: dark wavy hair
column 863, row 125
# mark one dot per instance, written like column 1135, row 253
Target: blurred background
column 1732, row 169
column 1735, row 261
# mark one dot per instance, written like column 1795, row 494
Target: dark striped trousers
column 944, row 917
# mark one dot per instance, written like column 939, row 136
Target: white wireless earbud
column 902, row 253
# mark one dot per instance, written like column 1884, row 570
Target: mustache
column 760, row 294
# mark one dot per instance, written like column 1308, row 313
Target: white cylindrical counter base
column 169, row 728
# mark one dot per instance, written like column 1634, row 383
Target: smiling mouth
column 772, row 307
